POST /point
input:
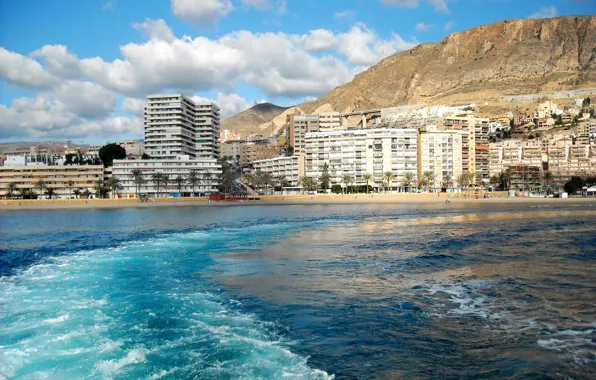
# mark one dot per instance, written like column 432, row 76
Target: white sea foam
column 109, row 368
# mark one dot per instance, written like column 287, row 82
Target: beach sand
column 276, row 200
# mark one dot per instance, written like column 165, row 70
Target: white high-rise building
column 176, row 125
column 440, row 152
column 356, row 152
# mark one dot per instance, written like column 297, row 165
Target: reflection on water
column 408, row 291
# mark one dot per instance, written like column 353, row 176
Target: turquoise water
column 307, row 292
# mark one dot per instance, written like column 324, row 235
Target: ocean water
column 299, row 292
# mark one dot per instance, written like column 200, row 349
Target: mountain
column 51, row 145
column 247, row 122
column 487, row 62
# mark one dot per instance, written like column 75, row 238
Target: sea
column 438, row 291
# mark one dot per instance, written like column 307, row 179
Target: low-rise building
column 290, row 167
column 65, row 181
column 207, row 170
column 256, row 150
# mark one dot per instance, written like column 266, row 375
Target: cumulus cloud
column 155, row 29
column 201, row 11
column 422, row 27
column 319, row 40
column 231, row 104
column 133, row 106
column 23, row 71
column 59, row 61
column 545, row 12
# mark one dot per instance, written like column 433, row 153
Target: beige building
column 254, row 151
column 83, row 177
column 441, row 153
column 329, row 121
column 291, row 167
column 475, row 145
column 360, row 151
column 297, row 126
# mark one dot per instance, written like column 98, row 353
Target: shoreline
column 387, row 199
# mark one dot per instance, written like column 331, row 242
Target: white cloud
column 23, row 71
column 319, row 40
column 155, row 29
column 439, row 5
column 109, row 5
column 201, row 11
column 422, row 27
column 362, row 46
column 545, row 12
column 448, row 25
column 259, row 4
column 401, row 3
column 59, row 61
column 133, row 106
column 231, row 104
column 85, row 99
column 347, row 14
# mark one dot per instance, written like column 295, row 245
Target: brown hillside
column 505, row 58
column 247, row 122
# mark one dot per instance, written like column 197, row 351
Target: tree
column 77, row 193
column 447, row 181
column 325, row 177
column 308, row 183
column 40, row 185
column 138, row 179
column 388, row 179
column 575, row 184
column 281, row 181
column 429, row 179
column 165, row 178
column 495, row 181
column 367, row 177
column 193, row 180
column 289, row 150
column 50, row 192
column 179, row 180
column 228, row 176
column 464, row 180
column 110, row 152
column 347, row 179
column 11, row 189
column 101, row 190
column 479, row 180
column 114, row 185
column 207, row 175
column 157, row 177
column 407, row 181
column 70, row 184
column 547, row 176
column 87, row 193
column 145, row 156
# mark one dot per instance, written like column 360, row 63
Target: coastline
column 348, row 199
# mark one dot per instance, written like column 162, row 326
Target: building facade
column 356, row 152
column 440, row 152
column 64, row 180
column 176, row 125
column 291, row 167
column 297, row 126
column 256, row 150
column 207, row 170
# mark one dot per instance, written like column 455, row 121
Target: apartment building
column 475, row 145
column 440, row 152
column 176, row 125
column 297, row 126
column 329, row 121
column 356, row 152
column 292, row 168
column 231, row 148
column 256, row 150
column 83, row 177
column 208, row 171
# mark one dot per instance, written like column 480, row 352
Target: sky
column 80, row 70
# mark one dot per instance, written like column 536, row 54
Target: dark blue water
column 438, row 291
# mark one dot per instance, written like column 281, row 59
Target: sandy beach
column 8, row 205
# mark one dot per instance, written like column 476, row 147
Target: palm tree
column 447, row 181
column 309, row 183
column 70, row 184
column 41, row 185
column 429, row 178
column 166, row 179
column 50, row 191
column 388, row 179
column 114, row 185
column 347, row 179
column 87, row 193
column 179, row 182
column 138, row 179
column 21, row 193
column 367, row 177
column 11, row 189
column 101, row 189
column 207, row 175
column 193, row 180
column 548, row 176
column 157, row 178
column 495, row 180
column 77, row 193
column 407, row 181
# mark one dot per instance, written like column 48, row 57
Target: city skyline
column 86, row 78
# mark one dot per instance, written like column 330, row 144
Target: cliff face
column 505, row 58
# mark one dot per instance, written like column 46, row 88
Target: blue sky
column 80, row 69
